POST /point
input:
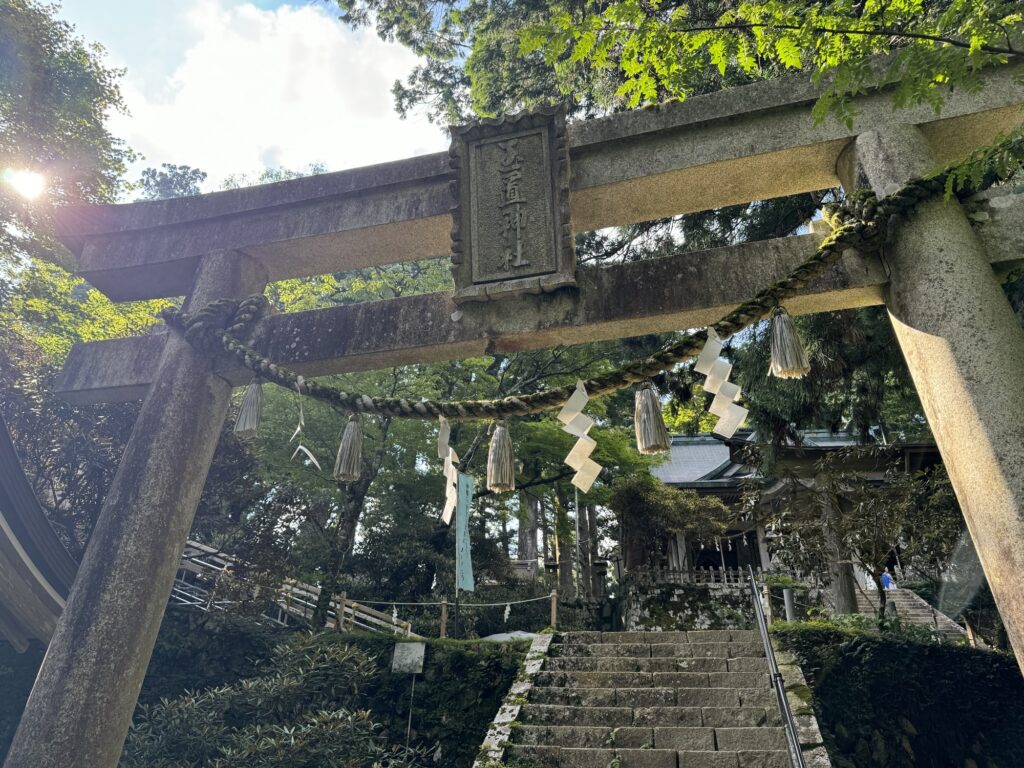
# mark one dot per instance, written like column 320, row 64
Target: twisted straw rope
column 861, row 221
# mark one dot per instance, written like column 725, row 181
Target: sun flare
column 28, row 184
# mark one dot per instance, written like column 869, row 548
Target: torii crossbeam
column 939, row 281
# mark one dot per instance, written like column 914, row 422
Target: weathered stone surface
column 757, row 697
column 748, row 664
column 511, row 232
column 707, row 697
column 738, row 679
column 638, row 664
column 543, row 757
column 964, row 348
column 542, row 714
column 689, row 759
column 668, row 716
column 574, row 697
column 645, row 697
column 681, row 291
column 764, row 759
column 584, row 736
column 735, row 717
column 667, row 725
column 80, row 708
column 694, row 739
column 738, row 145
column 734, row 739
column 603, row 649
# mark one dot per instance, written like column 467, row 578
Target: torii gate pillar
column 82, row 702
column 965, row 350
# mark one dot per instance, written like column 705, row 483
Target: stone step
column 669, row 696
column 693, row 636
column 661, row 664
column 615, row 716
column 722, row 650
column 652, row 679
column 725, row 739
column 557, row 757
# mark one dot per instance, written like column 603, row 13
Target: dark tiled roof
column 696, row 459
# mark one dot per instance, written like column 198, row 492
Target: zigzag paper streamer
column 575, row 422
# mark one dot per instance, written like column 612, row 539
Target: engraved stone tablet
column 511, row 231
column 408, row 658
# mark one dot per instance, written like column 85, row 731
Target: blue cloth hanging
column 463, row 559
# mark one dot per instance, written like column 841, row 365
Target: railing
column 788, row 723
column 293, row 600
column 734, row 576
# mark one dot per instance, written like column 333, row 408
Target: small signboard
column 408, row 658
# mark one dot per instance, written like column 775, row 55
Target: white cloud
column 284, row 87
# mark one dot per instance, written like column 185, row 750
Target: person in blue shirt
column 887, row 582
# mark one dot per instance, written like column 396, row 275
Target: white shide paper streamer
column 575, row 422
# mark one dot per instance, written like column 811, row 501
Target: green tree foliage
column 55, row 96
column 651, row 512
column 879, row 509
column 301, row 711
column 170, row 181
column 668, row 47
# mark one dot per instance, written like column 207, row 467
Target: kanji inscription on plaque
column 511, row 232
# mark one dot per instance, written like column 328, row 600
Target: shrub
column 298, row 712
column 884, row 699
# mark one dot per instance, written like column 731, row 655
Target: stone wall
column 670, row 607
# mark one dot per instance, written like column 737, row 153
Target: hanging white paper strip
column 581, row 452
column 708, row 355
column 587, row 474
column 575, row 404
column 718, row 374
column 730, row 422
column 580, row 425
column 727, row 394
column 444, row 434
column 449, row 508
column 451, row 478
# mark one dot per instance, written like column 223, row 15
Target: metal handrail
column 788, row 723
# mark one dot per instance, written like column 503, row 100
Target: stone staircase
column 912, row 608
column 699, row 699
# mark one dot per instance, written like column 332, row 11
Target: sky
column 236, row 86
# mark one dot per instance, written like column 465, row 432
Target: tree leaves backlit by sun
column 662, row 49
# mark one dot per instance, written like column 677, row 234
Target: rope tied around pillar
column 861, row 221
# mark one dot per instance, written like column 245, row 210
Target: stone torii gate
column 522, row 188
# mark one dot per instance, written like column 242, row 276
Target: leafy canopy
column 667, row 47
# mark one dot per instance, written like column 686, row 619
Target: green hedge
column 884, row 701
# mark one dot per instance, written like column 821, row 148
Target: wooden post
column 554, row 609
column 81, row 705
column 339, row 624
column 444, row 617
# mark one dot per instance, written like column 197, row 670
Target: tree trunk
column 876, row 576
column 596, row 585
column 586, row 586
column 526, row 548
column 844, row 585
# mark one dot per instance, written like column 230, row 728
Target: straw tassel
column 348, row 466
column 501, row 476
column 651, row 435
column 789, row 359
column 248, row 421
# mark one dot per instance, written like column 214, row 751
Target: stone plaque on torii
column 939, row 280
